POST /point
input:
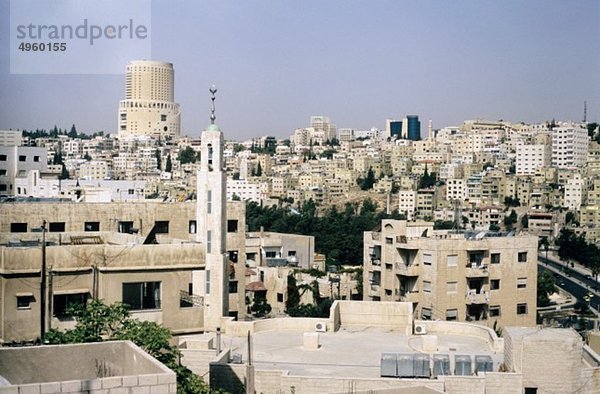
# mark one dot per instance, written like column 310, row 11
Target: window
column 161, row 227
column 36, row 159
column 208, row 241
column 494, row 310
column 62, row 302
column 142, row 295
column 521, row 283
column 163, row 118
column 18, row 227
column 452, row 260
column 232, row 226
column 125, row 227
column 495, row 284
column 279, row 297
column 426, row 313
column 22, row 158
column 451, row 287
column 2, row 157
column 24, row 300
column 233, row 287
column 56, row 227
column 207, row 282
column 451, row 314
column 209, row 201
column 270, row 254
column 522, row 257
column 131, row 192
column 521, row 309
column 495, row 258
column 291, row 253
column 91, row 226
column 233, row 255
column 427, row 258
column 192, row 227
column 2, row 172
column 427, row 286
column 3, row 188
column 389, row 240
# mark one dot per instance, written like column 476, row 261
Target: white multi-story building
column 569, row 146
column 243, row 190
column 456, row 189
column 574, row 192
column 11, row 138
column 532, row 157
column 149, row 108
column 407, row 203
column 95, row 169
column 16, row 161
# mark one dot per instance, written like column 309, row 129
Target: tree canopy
column 96, row 322
column 338, row 234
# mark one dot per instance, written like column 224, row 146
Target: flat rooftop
column 351, row 351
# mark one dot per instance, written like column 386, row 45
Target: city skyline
column 276, row 64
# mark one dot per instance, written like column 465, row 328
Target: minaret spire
column 212, row 90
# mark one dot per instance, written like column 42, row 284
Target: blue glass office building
column 414, row 127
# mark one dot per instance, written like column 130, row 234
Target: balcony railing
column 474, row 297
column 477, row 271
column 190, row 299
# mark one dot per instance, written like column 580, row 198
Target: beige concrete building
column 464, row 277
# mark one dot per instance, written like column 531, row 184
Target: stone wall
column 468, row 329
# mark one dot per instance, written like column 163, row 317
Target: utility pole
column 43, row 286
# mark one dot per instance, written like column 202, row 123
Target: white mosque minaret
column 211, row 219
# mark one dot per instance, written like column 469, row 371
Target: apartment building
column 569, row 146
column 16, row 161
column 532, row 157
column 490, row 279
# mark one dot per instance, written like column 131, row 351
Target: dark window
column 23, row 301
column 232, row 226
column 36, row 159
column 495, row 311
column 389, row 240
column 522, row 257
column 61, row 302
column 22, row 158
column 126, row 227
column 56, row 227
column 2, row 172
column 271, row 254
column 291, row 253
column 91, row 226
column 163, row 118
column 495, row 284
column 530, row 390
column 192, row 227
column 3, row 187
column 18, row 227
column 142, row 295
column 521, row 309
column 451, row 314
column 233, row 255
column 233, row 287
column 2, row 157
column 495, row 258
column 161, row 226
column 279, row 297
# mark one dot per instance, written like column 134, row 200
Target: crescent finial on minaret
column 212, row 90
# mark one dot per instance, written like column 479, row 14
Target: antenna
column 212, row 90
column 585, row 112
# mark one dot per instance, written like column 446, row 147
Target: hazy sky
column 276, row 63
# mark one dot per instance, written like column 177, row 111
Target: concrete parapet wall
column 503, row 383
column 396, row 316
column 306, row 324
column 473, row 330
column 464, row 384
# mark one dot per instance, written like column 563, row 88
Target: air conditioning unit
column 420, row 329
column 320, row 326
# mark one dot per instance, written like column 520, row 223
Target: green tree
column 525, row 221
column 545, row 287
column 96, row 322
column 570, row 218
column 158, row 159
column 87, row 157
column 368, row 182
column 187, row 155
column 260, row 307
column 259, row 169
column 73, row 132
column 512, row 201
column 427, row 180
column 494, row 227
column 64, row 174
column 169, row 165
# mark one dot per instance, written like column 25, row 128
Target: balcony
column 409, row 296
column 374, row 290
column 407, row 270
column 475, row 297
column 475, row 270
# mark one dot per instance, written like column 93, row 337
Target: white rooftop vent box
column 321, row 326
column 420, row 329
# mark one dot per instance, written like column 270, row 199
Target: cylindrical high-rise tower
column 149, row 108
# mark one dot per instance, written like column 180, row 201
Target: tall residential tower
column 149, row 108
